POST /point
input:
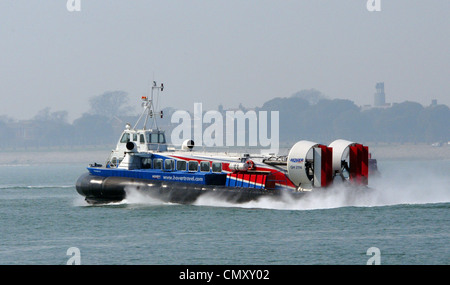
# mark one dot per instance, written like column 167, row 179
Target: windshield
column 156, row 138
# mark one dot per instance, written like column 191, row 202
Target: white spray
column 415, row 182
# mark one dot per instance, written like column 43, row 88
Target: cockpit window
column 125, row 138
column 162, row 139
column 152, row 138
column 156, row 138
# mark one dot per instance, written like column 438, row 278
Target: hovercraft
column 143, row 161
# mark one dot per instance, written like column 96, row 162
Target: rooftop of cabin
column 143, row 136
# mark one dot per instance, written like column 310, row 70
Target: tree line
column 304, row 115
column 327, row 120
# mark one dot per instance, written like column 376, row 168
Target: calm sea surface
column 407, row 219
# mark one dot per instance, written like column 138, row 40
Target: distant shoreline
column 35, row 157
column 100, row 154
column 409, row 151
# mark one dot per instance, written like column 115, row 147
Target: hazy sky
column 214, row 52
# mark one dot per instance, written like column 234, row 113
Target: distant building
column 379, row 96
column 379, row 99
column 433, row 102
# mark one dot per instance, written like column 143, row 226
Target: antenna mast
column 149, row 107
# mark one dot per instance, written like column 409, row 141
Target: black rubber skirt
column 98, row 189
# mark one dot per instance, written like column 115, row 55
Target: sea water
column 406, row 220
